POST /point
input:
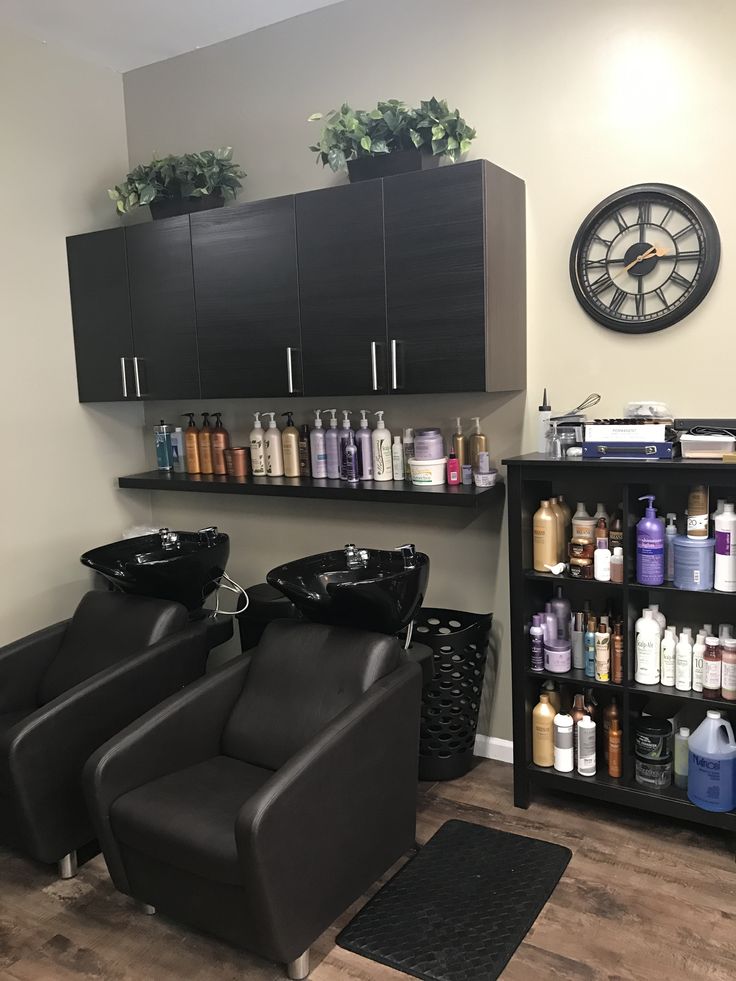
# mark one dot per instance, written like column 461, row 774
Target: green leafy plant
column 192, row 175
column 351, row 133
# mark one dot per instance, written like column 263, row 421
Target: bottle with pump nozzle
column 204, row 440
column 477, row 443
column 305, row 465
column 162, row 442
column 670, row 534
column 317, row 447
column 273, row 449
column 650, row 546
column 381, row 438
column 342, row 438
column 191, row 444
column 350, row 459
column 257, row 455
column 458, row 444
column 365, row 448
column 290, row 446
column 331, row 447
column 220, row 442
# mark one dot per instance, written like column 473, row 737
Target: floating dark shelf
column 679, row 465
column 388, row 492
column 565, row 580
column 685, row 696
column 668, row 587
column 574, row 677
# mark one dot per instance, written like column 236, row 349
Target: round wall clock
column 644, row 258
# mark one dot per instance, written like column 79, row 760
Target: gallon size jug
column 711, row 779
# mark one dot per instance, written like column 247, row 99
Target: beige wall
column 63, row 141
column 579, row 99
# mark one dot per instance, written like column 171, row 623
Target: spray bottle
column 317, row 447
column 670, row 534
column 365, row 450
column 257, row 455
column 650, row 546
column 273, row 449
column 331, row 450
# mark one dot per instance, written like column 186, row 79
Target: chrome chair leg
column 68, row 866
column 299, row 969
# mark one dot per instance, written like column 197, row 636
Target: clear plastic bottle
column 681, row 758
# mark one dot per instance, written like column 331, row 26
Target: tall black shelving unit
column 532, row 478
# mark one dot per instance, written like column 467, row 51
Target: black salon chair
column 260, row 803
column 64, row 691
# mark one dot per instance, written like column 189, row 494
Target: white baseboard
column 492, row 748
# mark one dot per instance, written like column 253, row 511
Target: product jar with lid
column 694, row 562
column 428, row 444
column 653, row 738
column 655, row 774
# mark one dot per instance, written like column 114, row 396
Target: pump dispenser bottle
column 331, row 447
column 257, row 456
column 191, row 444
column 458, row 444
column 365, row 449
column 204, row 440
column 290, row 446
column 650, row 546
column 317, row 447
column 220, row 442
column 381, row 439
column 350, row 459
column 273, row 448
column 342, row 438
column 477, row 443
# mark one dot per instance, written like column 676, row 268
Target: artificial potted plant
column 391, row 139
column 179, row 185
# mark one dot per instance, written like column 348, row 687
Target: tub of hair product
column 654, row 774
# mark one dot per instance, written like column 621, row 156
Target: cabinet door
column 435, row 279
column 162, row 308
column 247, row 306
column 98, row 281
column 342, row 290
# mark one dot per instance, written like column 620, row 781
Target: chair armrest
column 23, row 664
column 181, row 731
column 334, row 817
column 46, row 752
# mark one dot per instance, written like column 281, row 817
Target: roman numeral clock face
column 644, row 258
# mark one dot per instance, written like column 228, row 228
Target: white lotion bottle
column 273, row 448
column 698, row 661
column 667, row 658
column 397, row 457
column 332, row 449
column 725, row 572
column 381, row 438
column 648, row 641
column 602, row 562
column 317, row 448
column 257, row 456
column 683, row 664
column 365, row 448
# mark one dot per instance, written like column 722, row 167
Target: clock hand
column 651, row 252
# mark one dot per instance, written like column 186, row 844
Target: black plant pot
column 390, row 164
column 171, row 207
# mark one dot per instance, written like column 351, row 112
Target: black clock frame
column 632, row 195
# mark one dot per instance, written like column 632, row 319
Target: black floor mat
column 459, row 909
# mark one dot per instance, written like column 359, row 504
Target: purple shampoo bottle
column 650, row 546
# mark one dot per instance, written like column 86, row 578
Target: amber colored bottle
column 543, row 740
column 560, row 524
column 617, row 654
column 610, row 715
column 567, row 513
column 616, row 530
column 613, row 745
column 220, row 440
column 204, row 440
column 191, row 444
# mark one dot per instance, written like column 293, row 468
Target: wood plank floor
column 642, row 898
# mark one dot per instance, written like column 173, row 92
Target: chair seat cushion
column 187, row 818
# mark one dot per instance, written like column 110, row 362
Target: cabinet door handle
column 124, row 377
column 137, row 376
column 289, row 371
column 394, row 372
column 374, row 366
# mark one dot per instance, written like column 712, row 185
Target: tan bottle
column 543, row 732
column 560, row 521
column 613, row 746
column 617, row 653
column 697, row 512
column 458, row 444
column 545, row 538
column 204, row 441
column 477, row 443
column 568, row 521
column 220, row 440
column 550, row 689
column 610, row 716
column 191, row 446
column 290, row 445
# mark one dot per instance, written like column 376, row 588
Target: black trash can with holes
column 451, row 701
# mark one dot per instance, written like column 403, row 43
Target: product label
column 697, row 672
column 557, row 660
column 728, row 679
column 650, row 560
column 697, row 525
column 537, row 653
column 647, row 659
column 712, row 675
column 723, row 543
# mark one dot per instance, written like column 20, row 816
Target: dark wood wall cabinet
column 411, row 284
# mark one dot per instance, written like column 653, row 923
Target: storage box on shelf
column 533, row 478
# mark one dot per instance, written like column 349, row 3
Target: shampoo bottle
column 220, row 442
column 458, row 444
column 544, row 528
column 543, row 717
column 560, row 520
column 477, row 443
column 617, row 654
column 563, row 747
column 647, row 649
column 667, row 658
column 725, row 572
column 191, row 444
column 273, row 449
column 578, row 642
column 650, row 546
column 317, row 447
column 331, row 447
column 586, row 747
column 602, row 654
column 590, row 648
column 408, row 452
column 342, row 438
column 397, row 457
column 204, row 441
column 305, row 466
column 602, row 561
column 683, row 664
column 381, row 438
column 365, row 449
column 453, row 470
column 257, row 455
column 290, row 447
column 351, row 468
